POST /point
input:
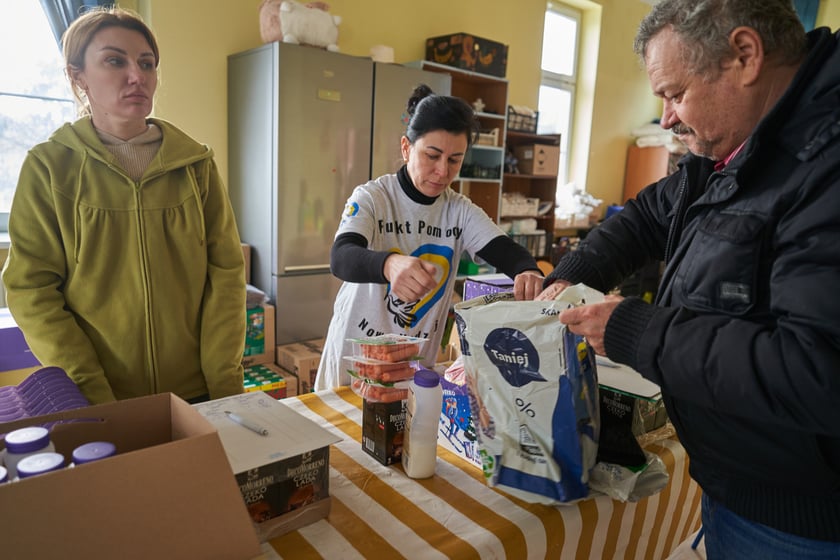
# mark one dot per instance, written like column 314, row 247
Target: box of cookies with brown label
column 280, row 459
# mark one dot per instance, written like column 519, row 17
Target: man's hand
column 553, row 290
column 590, row 321
column 527, row 285
column 411, row 278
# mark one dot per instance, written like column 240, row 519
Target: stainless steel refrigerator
column 305, row 127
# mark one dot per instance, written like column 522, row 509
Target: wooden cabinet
column 645, row 166
column 542, row 187
column 481, row 173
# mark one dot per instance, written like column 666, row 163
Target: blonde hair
column 81, row 32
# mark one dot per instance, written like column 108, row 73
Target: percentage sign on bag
column 525, row 407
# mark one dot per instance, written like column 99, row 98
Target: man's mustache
column 680, row 129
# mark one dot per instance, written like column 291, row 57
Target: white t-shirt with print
column 390, row 221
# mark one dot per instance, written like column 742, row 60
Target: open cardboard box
column 168, row 493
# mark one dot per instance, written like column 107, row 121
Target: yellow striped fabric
column 378, row 512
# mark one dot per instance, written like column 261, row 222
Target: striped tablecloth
column 378, row 512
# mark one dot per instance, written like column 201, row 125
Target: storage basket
column 514, row 204
column 521, row 122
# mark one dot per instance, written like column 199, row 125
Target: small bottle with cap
column 39, row 463
column 24, row 442
column 93, row 451
column 422, row 418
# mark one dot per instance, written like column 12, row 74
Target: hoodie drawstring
column 77, row 228
column 198, row 203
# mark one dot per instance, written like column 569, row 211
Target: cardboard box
column 302, row 360
column 259, row 336
column 270, row 379
column 468, row 52
column 246, row 252
column 383, row 428
column 538, row 159
column 168, row 493
column 283, row 476
column 482, row 285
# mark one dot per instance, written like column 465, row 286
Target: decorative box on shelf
column 522, row 119
column 468, row 52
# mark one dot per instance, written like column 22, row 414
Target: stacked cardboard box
column 301, row 359
column 259, row 336
column 270, row 379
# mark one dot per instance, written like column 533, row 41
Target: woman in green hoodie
column 125, row 267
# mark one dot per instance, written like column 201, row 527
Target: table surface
column 378, row 512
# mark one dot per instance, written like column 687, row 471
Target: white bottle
column 422, row 418
column 24, row 442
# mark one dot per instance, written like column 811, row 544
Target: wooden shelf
column 486, row 192
column 543, row 187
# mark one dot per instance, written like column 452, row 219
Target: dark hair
column 81, row 32
column 428, row 112
column 703, row 27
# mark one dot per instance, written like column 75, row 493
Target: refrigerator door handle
column 307, row 269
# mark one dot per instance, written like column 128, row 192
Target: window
column 35, row 98
column 561, row 35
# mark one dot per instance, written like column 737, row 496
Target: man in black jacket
column 744, row 336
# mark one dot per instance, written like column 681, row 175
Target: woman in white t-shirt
column 401, row 237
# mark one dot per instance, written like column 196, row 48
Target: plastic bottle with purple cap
column 23, row 443
column 422, row 418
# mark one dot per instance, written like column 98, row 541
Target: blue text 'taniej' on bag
column 533, row 394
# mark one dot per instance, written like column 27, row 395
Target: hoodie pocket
column 720, row 268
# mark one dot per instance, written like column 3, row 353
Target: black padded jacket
column 744, row 336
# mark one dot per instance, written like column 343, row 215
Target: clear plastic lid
column 40, row 463
column 93, row 451
column 27, row 440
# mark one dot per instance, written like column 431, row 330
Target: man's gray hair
column 703, row 27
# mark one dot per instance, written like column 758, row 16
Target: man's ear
column 748, row 54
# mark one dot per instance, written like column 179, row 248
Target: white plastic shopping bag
column 534, row 394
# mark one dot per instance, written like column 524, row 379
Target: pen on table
column 254, row 427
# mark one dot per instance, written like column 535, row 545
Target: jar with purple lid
column 39, row 463
column 22, row 443
column 93, row 451
column 3, row 475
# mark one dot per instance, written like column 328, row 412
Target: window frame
column 565, row 82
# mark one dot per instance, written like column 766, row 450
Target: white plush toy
column 309, row 24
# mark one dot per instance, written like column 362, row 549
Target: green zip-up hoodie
column 132, row 288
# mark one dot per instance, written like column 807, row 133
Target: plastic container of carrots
column 389, row 347
column 377, row 392
column 377, row 370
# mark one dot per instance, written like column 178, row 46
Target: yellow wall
column 194, row 49
column 829, row 14
column 196, row 36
